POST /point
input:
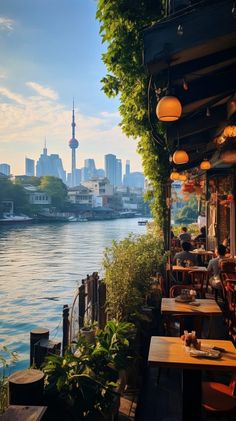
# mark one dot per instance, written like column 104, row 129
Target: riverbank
column 41, row 267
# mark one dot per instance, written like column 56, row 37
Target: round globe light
column 205, row 165
column 182, row 177
column 180, row 157
column 174, row 175
column 229, row 131
column 169, row 108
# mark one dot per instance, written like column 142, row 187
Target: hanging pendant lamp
column 205, row 165
column 180, row 157
column 182, row 177
column 169, row 108
column 174, row 175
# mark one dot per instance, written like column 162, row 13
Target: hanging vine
column 121, row 26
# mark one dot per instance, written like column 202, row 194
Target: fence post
column 81, row 304
column 35, row 336
column 101, row 304
column 94, row 298
column 65, row 328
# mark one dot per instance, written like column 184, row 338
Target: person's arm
column 209, row 268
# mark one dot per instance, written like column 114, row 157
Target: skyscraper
column 110, row 168
column 5, row 169
column 50, row 165
column 118, row 172
column 29, row 167
column 73, row 144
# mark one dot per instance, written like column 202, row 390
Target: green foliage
column 188, row 213
column 6, row 359
column 12, row 192
column 83, row 383
column 55, row 188
column 121, row 26
column 129, row 266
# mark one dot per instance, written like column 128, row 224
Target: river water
column 40, row 269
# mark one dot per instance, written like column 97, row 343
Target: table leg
column 191, row 395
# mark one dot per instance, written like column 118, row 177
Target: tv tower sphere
column 73, row 143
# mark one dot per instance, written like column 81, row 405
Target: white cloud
column 3, row 74
column 26, row 120
column 6, row 24
column 42, row 90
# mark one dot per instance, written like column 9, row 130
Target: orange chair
column 219, row 399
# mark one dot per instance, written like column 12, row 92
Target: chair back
column 175, row 290
column 199, row 281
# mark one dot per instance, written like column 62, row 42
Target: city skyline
column 43, row 68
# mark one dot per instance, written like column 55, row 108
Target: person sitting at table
column 185, row 255
column 202, row 236
column 214, row 267
column 185, row 236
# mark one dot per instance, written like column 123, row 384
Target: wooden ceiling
column 196, row 51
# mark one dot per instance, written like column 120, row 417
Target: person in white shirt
column 214, row 266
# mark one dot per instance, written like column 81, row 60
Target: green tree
column 56, row 189
column 12, row 192
column 121, row 26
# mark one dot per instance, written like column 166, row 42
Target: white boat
column 77, row 219
column 11, row 219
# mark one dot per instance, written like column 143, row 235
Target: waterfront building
column 99, row 186
column 73, row 144
column 50, row 165
column 5, row 169
column 80, row 195
column 29, row 167
column 39, row 198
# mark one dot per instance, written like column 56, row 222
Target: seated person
column 185, row 255
column 185, row 236
column 202, row 236
column 214, row 266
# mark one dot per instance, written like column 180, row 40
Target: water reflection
column 41, row 266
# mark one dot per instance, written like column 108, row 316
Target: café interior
column 190, row 57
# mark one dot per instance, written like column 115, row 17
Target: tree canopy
column 55, row 188
column 121, row 26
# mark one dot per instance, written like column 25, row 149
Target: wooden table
column 23, row 413
column 170, row 352
column 185, row 270
column 207, row 307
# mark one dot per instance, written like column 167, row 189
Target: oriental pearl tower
column 73, row 144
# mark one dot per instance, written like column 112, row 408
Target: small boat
column 143, row 222
column 15, row 219
column 77, row 219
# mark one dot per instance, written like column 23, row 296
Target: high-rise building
column 5, row 169
column 127, row 168
column 50, row 165
column 29, row 167
column 118, row 172
column 110, row 168
column 73, row 144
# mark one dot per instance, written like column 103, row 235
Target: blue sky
column 51, row 52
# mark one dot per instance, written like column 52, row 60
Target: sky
column 51, row 53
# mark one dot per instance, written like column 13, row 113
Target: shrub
column 129, row 266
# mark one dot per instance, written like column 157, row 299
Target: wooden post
column 101, row 304
column 94, row 298
column 81, row 304
column 26, row 387
column 35, row 336
column 43, row 348
column 65, row 328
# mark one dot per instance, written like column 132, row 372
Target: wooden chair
column 199, row 282
column 218, row 399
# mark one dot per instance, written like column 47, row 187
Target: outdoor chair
column 199, row 282
column 219, row 400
